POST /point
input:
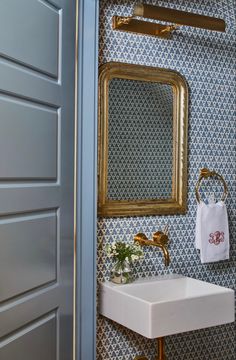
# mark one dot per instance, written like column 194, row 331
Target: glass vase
column 121, row 273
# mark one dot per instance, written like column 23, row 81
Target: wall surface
column 207, row 61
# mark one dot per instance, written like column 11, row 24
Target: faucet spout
column 165, row 252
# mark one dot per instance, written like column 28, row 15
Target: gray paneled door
column 37, row 61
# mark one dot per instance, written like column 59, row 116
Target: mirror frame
column 178, row 203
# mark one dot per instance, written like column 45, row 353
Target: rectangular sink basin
column 166, row 305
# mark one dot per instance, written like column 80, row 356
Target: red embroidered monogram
column 216, row 237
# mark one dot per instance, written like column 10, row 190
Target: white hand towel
column 212, row 232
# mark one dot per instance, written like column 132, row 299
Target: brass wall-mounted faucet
column 160, row 239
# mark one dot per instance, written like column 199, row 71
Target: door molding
column 86, row 192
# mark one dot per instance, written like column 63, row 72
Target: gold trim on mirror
column 177, row 204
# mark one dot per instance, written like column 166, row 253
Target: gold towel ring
column 205, row 174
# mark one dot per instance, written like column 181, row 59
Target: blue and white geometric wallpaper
column 207, row 61
column 140, row 146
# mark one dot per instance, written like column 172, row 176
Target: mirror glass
column 140, row 146
column 142, row 153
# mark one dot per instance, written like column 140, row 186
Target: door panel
column 28, row 84
column 27, row 264
column 41, row 335
column 32, row 129
column 17, row 314
column 27, row 41
column 37, row 61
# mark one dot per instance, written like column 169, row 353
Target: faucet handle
column 160, row 238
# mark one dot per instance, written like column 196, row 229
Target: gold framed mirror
column 142, row 143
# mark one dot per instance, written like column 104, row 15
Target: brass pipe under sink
column 161, row 351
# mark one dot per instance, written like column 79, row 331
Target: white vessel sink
column 167, row 305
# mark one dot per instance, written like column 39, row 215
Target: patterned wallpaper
column 207, row 61
column 140, row 140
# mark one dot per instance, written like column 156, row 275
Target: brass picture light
column 175, row 17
